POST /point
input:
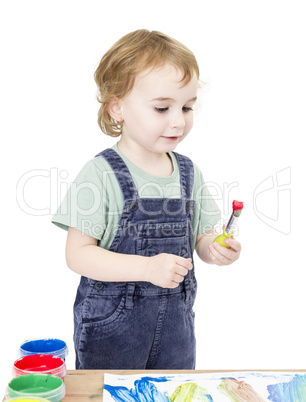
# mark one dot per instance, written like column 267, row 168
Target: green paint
column 190, row 392
column 95, row 396
column 40, row 385
column 35, row 383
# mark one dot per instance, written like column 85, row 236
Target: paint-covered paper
column 235, row 387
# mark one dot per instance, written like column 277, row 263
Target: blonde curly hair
column 133, row 53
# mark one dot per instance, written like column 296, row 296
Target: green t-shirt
column 94, row 201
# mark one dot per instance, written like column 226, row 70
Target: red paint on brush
column 237, row 205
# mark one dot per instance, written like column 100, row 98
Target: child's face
column 157, row 114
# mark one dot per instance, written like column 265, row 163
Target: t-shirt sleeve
column 207, row 212
column 84, row 205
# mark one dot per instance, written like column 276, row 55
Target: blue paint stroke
column 293, row 391
column 144, row 391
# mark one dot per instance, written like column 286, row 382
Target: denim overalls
column 125, row 325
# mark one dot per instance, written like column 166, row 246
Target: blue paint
column 144, row 391
column 156, row 379
column 292, row 391
column 50, row 346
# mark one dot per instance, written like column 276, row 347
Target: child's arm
column 214, row 253
column 84, row 257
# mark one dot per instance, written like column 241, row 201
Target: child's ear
column 114, row 109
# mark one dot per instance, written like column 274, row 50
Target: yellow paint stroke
column 190, row 392
column 239, row 391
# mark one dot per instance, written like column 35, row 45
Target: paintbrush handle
column 231, row 223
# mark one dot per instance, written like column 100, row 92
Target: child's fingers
column 233, row 243
column 214, row 255
column 182, row 271
column 221, row 255
column 185, row 262
column 182, row 268
column 178, row 279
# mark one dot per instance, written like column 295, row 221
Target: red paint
column 47, row 364
column 237, row 205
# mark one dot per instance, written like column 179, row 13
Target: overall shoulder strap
column 121, row 172
column 186, row 173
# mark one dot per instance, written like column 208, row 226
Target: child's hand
column 225, row 256
column 167, row 270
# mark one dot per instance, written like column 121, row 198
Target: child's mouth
column 170, row 138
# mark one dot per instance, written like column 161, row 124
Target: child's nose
column 178, row 120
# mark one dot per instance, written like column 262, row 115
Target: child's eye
column 187, row 109
column 161, row 109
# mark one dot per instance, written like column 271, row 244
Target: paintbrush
column 227, row 233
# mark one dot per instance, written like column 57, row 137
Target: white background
column 247, row 139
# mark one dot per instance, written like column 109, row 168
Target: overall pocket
column 102, row 308
column 149, row 247
column 167, row 237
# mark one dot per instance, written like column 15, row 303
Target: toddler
column 137, row 211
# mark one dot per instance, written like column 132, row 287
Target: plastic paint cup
column 37, row 385
column 54, row 347
column 27, row 399
column 40, row 364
